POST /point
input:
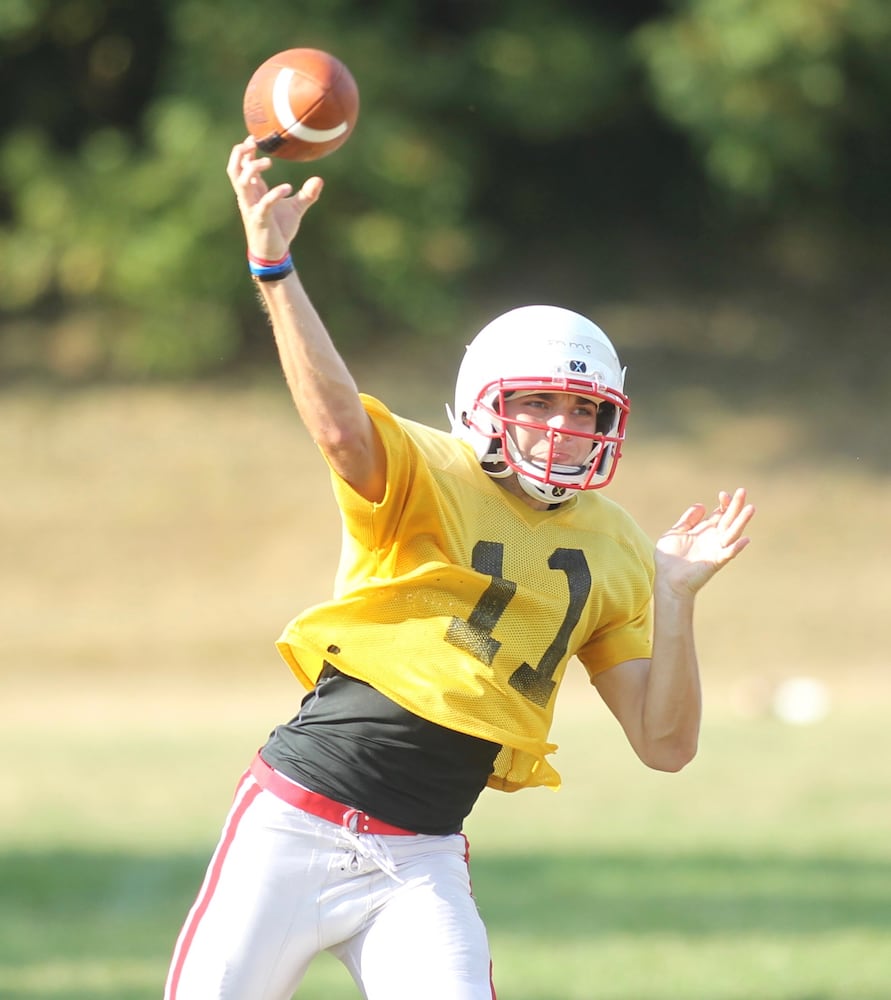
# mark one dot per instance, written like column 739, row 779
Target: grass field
column 155, row 541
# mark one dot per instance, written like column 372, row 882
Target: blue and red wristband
column 263, row 269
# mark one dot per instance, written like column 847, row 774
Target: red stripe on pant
column 467, row 862
column 210, row 882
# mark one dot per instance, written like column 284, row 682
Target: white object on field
column 801, row 701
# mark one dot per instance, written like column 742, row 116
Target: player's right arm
column 321, row 385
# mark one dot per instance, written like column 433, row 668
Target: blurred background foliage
column 565, row 152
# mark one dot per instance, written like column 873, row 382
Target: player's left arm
column 658, row 700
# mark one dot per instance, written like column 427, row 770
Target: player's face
column 546, row 425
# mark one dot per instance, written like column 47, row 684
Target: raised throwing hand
column 271, row 216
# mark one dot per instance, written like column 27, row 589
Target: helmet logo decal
column 578, row 367
column 571, row 345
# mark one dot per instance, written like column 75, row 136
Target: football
column 301, row 104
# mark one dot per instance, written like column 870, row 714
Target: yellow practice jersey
column 462, row 604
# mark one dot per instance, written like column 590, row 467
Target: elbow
column 672, row 764
column 344, row 448
column 339, row 440
column 670, row 757
column 349, row 444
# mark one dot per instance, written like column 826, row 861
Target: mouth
column 559, row 462
column 556, row 456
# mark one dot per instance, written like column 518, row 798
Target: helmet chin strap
column 546, row 494
column 494, row 465
column 551, row 495
column 538, row 491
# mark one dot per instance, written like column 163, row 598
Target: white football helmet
column 540, row 349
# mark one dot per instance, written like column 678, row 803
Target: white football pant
column 283, row 886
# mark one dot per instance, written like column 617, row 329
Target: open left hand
column 690, row 553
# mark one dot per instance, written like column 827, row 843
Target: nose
column 558, row 421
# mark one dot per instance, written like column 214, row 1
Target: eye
column 538, row 403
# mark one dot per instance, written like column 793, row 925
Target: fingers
column 246, row 173
column 731, row 513
column 735, row 514
column 245, row 170
column 737, row 547
column 690, row 518
column 298, row 206
column 241, row 156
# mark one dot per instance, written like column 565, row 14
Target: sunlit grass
column 78, row 980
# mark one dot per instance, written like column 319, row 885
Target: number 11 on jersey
column 475, row 637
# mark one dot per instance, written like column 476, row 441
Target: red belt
column 320, row 805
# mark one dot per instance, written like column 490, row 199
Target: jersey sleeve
column 627, row 634
column 372, row 523
column 631, row 641
column 382, row 540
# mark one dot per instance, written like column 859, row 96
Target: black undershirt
column 356, row 746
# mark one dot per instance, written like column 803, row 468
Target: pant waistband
column 351, row 819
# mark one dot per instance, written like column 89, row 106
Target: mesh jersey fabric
column 464, row 605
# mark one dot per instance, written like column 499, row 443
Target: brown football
column 301, row 104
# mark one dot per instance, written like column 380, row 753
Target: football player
column 475, row 564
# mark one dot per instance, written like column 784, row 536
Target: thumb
column 311, row 190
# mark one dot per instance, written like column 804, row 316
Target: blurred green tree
column 495, row 141
column 773, row 93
